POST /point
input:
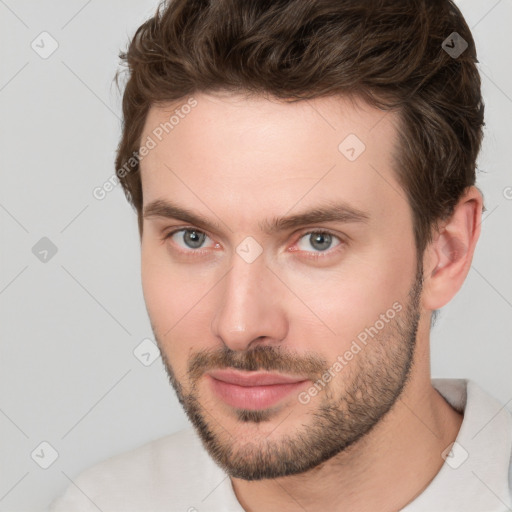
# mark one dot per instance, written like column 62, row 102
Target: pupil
column 321, row 238
column 193, row 239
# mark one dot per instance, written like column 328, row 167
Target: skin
column 238, row 161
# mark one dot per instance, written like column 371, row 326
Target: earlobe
column 448, row 258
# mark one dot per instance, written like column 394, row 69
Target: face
column 279, row 273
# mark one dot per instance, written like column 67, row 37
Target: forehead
column 251, row 155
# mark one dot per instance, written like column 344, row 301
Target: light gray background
column 69, row 326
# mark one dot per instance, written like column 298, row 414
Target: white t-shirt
column 176, row 474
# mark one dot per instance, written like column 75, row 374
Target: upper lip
column 243, row 378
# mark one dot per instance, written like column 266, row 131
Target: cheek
column 343, row 302
column 157, row 287
column 176, row 305
column 164, row 285
column 166, row 296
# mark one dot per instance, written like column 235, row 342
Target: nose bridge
column 246, row 308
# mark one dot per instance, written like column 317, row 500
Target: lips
column 253, row 390
column 253, row 378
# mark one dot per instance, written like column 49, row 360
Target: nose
column 250, row 306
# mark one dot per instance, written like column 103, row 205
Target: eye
column 191, row 240
column 321, row 241
column 188, row 239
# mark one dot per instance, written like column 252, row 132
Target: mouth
column 253, row 390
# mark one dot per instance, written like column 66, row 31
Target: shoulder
column 148, row 477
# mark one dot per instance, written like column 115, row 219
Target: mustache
column 263, row 357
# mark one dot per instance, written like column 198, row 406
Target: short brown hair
column 387, row 52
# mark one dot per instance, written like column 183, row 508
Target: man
column 304, row 178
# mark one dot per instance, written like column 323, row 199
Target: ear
column 447, row 259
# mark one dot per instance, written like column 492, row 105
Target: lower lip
column 253, row 397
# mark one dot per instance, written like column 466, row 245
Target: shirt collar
column 474, row 476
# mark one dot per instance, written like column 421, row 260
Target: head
column 303, row 174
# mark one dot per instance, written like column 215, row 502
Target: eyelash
column 312, row 255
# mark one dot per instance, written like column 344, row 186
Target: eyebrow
column 328, row 212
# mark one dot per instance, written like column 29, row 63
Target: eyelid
column 174, row 229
